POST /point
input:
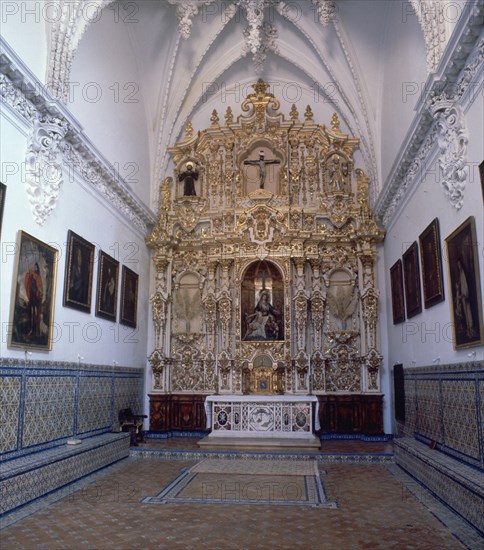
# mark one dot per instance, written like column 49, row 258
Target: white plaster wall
column 23, row 25
column 404, row 77
column 80, row 209
column 421, row 339
column 106, row 96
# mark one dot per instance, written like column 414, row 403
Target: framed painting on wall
column 129, row 297
column 481, row 174
column 411, row 274
column 107, row 286
column 32, row 314
column 78, row 273
column 431, row 262
column 3, row 190
column 465, row 286
column 396, row 283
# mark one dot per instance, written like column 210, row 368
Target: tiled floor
column 374, row 511
column 331, row 446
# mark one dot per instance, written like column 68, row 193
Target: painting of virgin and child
column 262, row 318
column 263, row 323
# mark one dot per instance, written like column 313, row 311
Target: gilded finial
column 189, row 130
column 229, row 115
column 294, row 112
column 214, row 119
column 308, row 115
column 335, row 122
column 260, row 87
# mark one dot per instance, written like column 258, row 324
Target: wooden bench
column 29, row 477
column 459, row 485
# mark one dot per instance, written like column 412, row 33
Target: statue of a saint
column 189, row 177
column 338, row 173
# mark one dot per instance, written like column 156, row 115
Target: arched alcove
column 262, row 302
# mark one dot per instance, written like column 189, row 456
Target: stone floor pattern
column 375, row 511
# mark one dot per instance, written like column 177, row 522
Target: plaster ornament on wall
column 108, row 183
column 70, row 150
column 13, row 96
column 185, row 11
column 468, row 59
column 259, row 36
column 268, row 43
column 44, row 165
column 326, row 10
column 66, row 32
column 452, row 139
column 430, row 14
column 255, row 17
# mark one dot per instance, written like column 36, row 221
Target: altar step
column 311, row 443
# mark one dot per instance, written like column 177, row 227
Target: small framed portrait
column 431, row 262
column 396, row 282
column 465, row 286
column 3, row 190
column 129, row 297
column 78, row 273
column 32, row 315
column 107, row 286
column 411, row 275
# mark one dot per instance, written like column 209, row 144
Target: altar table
column 268, row 416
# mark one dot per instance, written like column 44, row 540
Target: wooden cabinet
column 350, row 414
column 177, row 413
column 340, row 414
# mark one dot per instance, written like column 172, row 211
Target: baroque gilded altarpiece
column 278, row 210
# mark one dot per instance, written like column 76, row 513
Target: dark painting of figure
column 78, row 273
column 411, row 272
column 396, row 282
column 129, row 297
column 33, row 305
column 3, row 190
column 464, row 286
column 107, row 286
column 431, row 261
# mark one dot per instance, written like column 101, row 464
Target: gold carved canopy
column 264, row 252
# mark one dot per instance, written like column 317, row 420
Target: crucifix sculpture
column 261, row 163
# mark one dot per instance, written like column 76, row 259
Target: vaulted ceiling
column 160, row 63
